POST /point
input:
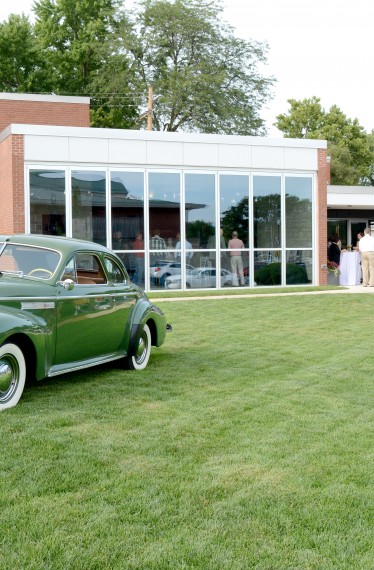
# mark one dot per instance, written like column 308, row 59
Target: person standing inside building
column 366, row 247
column 235, row 245
column 157, row 243
column 138, row 246
column 188, row 248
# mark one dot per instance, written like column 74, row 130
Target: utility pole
column 150, row 107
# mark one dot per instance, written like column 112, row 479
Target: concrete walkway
column 359, row 289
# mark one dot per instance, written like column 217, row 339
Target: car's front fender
column 15, row 323
column 145, row 312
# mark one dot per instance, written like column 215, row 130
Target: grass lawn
column 247, row 443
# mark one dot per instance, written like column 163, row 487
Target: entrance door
column 356, row 227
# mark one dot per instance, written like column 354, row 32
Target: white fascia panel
column 196, row 154
column 46, row 148
column 235, row 156
column 300, row 159
column 88, row 149
column 164, row 153
column 125, row 151
column 350, row 200
column 268, row 157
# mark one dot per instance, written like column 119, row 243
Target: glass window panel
column 200, row 208
column 267, row 268
column 237, row 264
column 47, row 202
column 115, row 271
column 234, row 206
column 340, row 229
column 127, row 207
column 88, row 206
column 299, row 268
column 299, row 211
column 164, row 206
column 127, row 258
column 267, row 211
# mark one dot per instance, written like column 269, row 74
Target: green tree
column 203, row 77
column 348, row 144
column 22, row 65
column 75, row 36
column 71, row 33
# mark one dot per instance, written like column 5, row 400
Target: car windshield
column 27, row 260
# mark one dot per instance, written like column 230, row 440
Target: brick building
column 59, row 176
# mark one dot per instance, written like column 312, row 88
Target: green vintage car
column 67, row 304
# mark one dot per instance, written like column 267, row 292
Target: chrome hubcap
column 8, row 376
column 141, row 352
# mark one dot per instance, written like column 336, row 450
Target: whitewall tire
column 12, row 375
column 142, row 352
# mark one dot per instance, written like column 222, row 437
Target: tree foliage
column 22, row 65
column 71, row 33
column 348, row 144
column 203, row 77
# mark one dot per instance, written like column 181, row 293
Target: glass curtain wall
column 88, row 199
column 299, row 230
column 175, row 229
column 47, row 202
column 200, row 225
column 164, row 226
column 234, row 219
column 267, row 230
column 127, row 221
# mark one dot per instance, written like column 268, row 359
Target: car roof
column 62, row 244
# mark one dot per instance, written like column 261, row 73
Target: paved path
column 359, row 289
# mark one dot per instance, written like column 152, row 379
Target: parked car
column 161, row 270
column 200, row 277
column 66, row 305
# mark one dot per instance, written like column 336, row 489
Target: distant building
column 59, row 176
column 350, row 209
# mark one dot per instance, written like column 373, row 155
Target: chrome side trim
column 38, row 305
column 86, row 364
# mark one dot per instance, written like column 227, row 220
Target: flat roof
column 357, row 197
column 44, row 98
column 162, row 136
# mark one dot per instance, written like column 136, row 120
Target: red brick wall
column 323, row 178
column 12, row 202
column 43, row 113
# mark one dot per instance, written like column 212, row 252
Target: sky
column 319, row 48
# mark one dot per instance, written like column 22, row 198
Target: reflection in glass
column 267, row 211
column 298, row 211
column 128, row 261
column 299, row 267
column 127, row 206
column 237, row 266
column 267, row 268
column 234, row 206
column 47, row 202
column 164, row 205
column 88, row 206
column 199, row 208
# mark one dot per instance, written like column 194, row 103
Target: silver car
column 199, row 278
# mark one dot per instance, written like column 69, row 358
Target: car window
column 35, row 262
column 115, row 272
column 84, row 269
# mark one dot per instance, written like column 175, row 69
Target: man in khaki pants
column 366, row 247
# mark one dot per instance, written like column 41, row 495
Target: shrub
column 271, row 274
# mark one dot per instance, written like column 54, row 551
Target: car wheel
column 12, row 375
column 142, row 352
